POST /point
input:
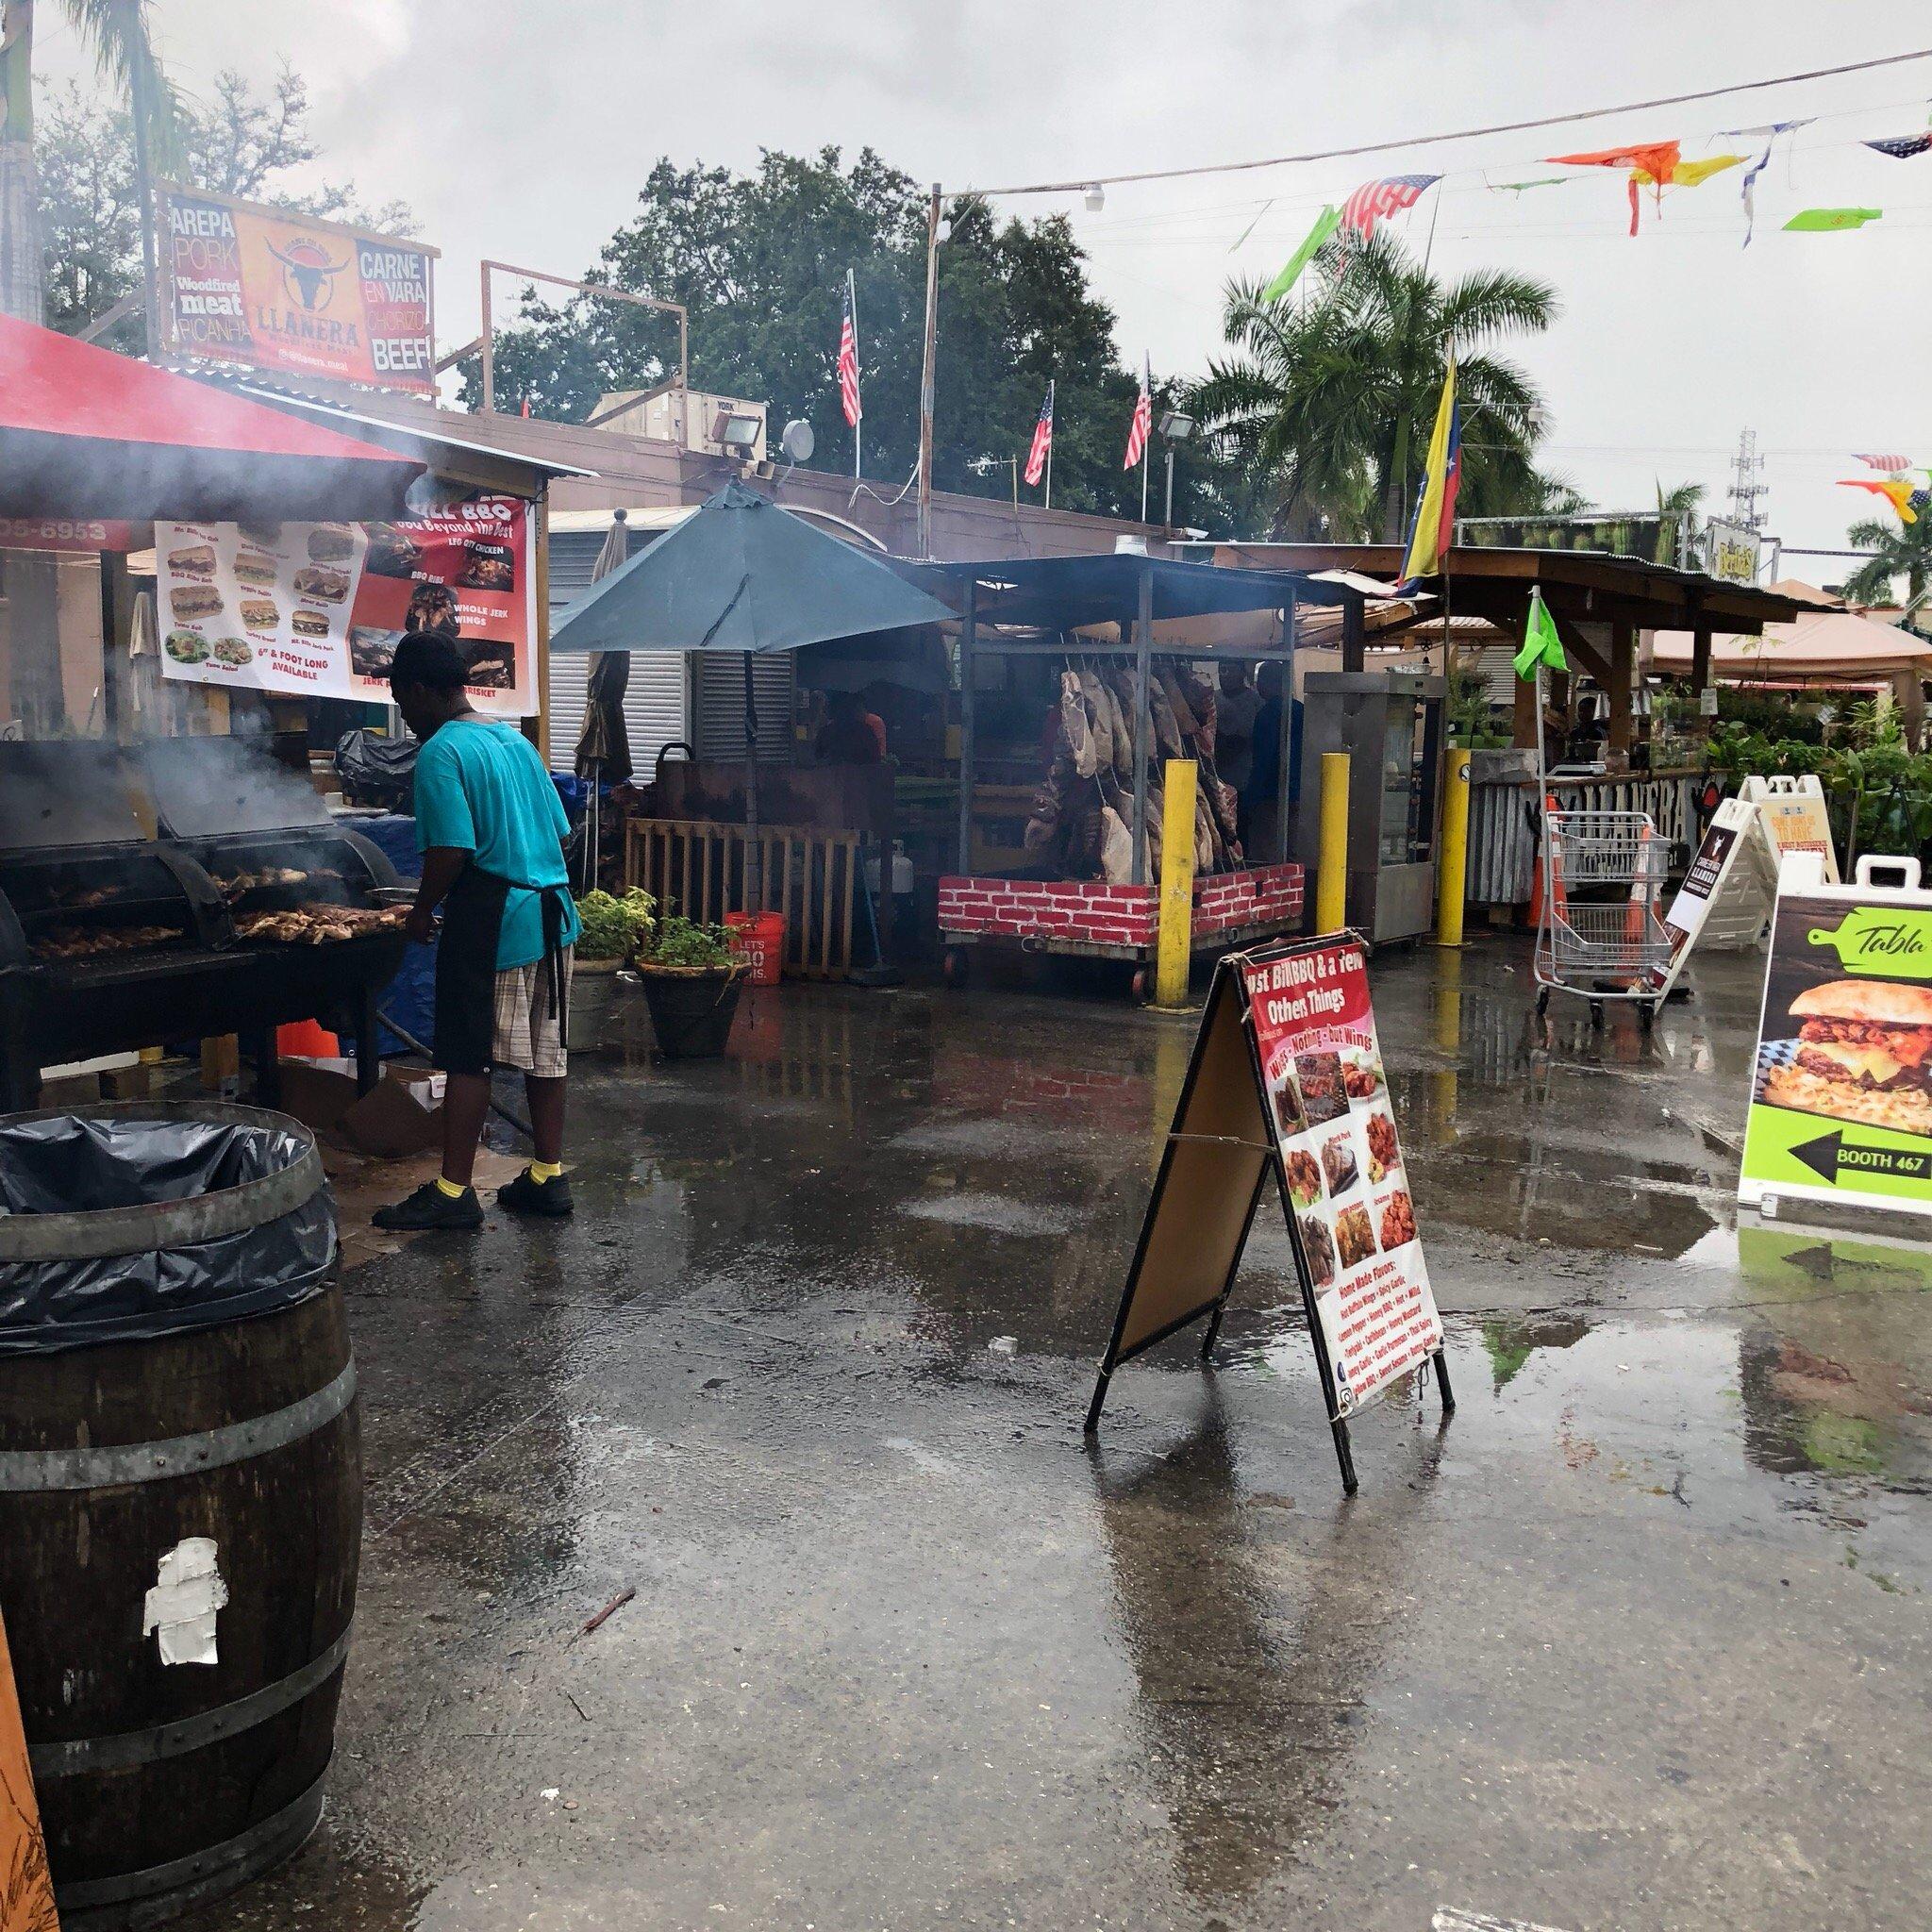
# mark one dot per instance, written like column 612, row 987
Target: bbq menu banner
column 1841, row 1092
column 466, row 571
column 317, row 609
column 1341, row 1168
column 258, row 606
column 260, row 286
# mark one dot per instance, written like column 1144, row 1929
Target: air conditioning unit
column 707, row 424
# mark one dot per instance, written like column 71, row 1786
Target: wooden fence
column 698, row 867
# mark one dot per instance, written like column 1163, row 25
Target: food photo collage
column 1345, row 1181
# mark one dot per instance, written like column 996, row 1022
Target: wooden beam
column 1623, row 661
column 1578, row 647
column 1353, row 607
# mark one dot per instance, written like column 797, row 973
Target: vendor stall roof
column 1070, row 593
column 87, row 433
column 473, row 460
column 743, row 576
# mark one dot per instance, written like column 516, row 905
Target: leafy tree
column 1333, row 399
column 239, row 142
column 1678, row 509
column 759, row 261
column 1898, row 550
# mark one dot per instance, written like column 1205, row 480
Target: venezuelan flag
column 1434, row 529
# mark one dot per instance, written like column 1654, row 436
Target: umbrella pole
column 754, row 857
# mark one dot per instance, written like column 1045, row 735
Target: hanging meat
column 1099, row 722
column 1073, row 725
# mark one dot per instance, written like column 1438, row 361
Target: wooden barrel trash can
column 180, row 1493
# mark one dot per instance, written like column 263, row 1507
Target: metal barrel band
column 125, row 1750
column 43, row 1470
column 200, row 1876
column 93, row 1234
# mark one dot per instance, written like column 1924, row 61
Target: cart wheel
column 1140, row 985
column 1543, row 1001
column 1646, row 1014
column 1596, row 1012
column 954, row 966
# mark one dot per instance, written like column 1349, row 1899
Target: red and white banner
column 316, row 610
column 1347, row 1185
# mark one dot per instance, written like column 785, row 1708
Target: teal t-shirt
column 481, row 788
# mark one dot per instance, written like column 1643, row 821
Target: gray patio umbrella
column 742, row 575
column 603, row 753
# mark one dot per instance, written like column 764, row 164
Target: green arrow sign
column 1889, row 939
column 1829, row 1155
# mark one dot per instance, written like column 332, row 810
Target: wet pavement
column 1640, row 1639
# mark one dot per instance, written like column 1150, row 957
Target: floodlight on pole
column 1095, row 197
column 1176, row 426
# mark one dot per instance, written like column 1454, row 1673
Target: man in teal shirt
column 491, row 829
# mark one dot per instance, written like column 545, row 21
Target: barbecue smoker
column 128, row 881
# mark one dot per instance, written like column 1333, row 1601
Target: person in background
column 848, row 737
column 1265, row 775
column 491, row 828
column 1234, row 736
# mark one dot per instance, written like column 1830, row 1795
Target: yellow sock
column 545, row 1170
column 450, row 1187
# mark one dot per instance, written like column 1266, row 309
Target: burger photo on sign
column 1860, row 1054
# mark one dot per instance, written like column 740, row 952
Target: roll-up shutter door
column 719, row 679
column 657, row 701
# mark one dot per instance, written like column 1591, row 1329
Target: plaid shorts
column 529, row 1037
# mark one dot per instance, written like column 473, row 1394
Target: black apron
column 466, row 965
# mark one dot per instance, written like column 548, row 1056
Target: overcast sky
column 522, row 129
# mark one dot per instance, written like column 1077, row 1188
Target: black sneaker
column 526, row 1194
column 429, row 1207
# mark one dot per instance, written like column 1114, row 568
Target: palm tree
column 1335, row 398
column 116, row 31
column 1676, row 510
column 1897, row 550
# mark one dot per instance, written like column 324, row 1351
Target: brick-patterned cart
column 1090, row 920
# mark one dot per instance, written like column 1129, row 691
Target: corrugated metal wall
column 657, row 706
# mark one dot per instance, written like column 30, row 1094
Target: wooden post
column 1331, row 866
column 1353, row 642
column 1143, row 671
column 1622, row 659
column 969, row 633
column 1700, row 674
column 1175, row 948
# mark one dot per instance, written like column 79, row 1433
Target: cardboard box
column 401, row 1115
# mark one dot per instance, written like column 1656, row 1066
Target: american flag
column 848, row 360
column 1374, row 201
column 1902, row 147
column 1143, row 424
column 1043, row 441
column 1884, row 460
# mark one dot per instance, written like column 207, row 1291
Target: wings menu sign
column 257, row 285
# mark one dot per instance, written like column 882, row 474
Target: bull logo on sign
column 307, row 273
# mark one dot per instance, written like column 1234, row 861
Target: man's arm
column 442, row 866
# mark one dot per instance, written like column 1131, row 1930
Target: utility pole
column 928, row 371
column 144, row 196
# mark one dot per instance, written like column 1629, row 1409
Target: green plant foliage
column 691, row 943
column 615, row 928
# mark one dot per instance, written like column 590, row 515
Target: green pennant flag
column 1326, row 225
column 1830, row 221
column 1541, row 643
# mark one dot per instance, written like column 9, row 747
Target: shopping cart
column 1601, row 934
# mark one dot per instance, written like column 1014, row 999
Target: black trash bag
column 59, row 1172
column 377, row 769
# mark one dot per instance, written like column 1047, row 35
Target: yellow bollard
column 1331, row 867
column 1174, row 948
column 1452, row 866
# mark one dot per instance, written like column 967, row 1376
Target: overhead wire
column 1377, row 148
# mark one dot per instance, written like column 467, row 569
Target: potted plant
column 615, row 930
column 691, row 979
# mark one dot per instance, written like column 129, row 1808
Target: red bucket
column 758, row 940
